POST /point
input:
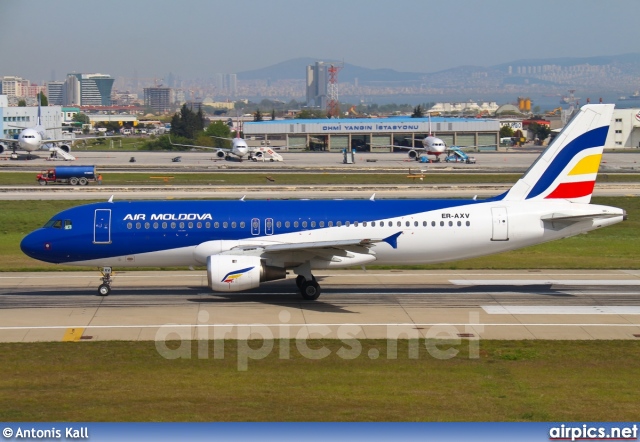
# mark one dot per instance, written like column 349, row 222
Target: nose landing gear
column 105, row 288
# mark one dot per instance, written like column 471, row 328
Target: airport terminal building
column 371, row 134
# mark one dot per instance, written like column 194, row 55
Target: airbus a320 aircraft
column 244, row 243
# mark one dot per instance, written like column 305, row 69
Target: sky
column 43, row 40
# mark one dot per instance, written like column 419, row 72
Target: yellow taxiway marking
column 72, row 335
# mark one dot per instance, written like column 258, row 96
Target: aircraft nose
column 35, row 246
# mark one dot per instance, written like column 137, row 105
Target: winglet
column 373, row 197
column 243, row 197
column 110, row 199
column 393, row 240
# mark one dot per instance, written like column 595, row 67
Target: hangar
column 371, row 134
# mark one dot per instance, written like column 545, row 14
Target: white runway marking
column 561, row 310
column 545, row 281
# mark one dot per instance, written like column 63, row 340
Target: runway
column 396, row 304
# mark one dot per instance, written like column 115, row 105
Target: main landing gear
column 310, row 290
column 105, row 288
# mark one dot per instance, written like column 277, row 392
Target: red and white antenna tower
column 333, row 105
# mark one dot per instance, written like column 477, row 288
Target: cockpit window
column 55, row 223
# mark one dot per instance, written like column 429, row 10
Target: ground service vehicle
column 74, row 175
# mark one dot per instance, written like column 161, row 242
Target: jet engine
column 235, row 273
column 3, row 147
column 65, row 147
column 221, row 153
column 413, row 154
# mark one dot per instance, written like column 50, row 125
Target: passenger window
column 424, row 224
column 287, row 224
column 242, row 224
column 278, row 224
column 304, row 224
column 182, row 225
column 295, row 224
column 433, row 223
column 191, row 225
column 129, row 226
column 173, row 225
column 67, row 224
column 330, row 224
column 347, row 223
column 155, row 225
column 225, row 225
column 208, row 225
column 415, row 223
column 199, row 225
column 164, row 225
column 407, row 223
column 468, row 223
column 355, row 223
column 233, row 225
column 399, row 224
column 216, row 224
column 321, row 223
column 459, row 223
column 441, row 223
column 147, row 225
column 450, row 223
column 313, row 223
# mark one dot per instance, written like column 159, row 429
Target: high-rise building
column 317, row 78
column 92, row 90
column 158, row 98
column 15, row 86
column 55, row 92
column 226, row 83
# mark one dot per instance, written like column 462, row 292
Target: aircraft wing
column 73, row 140
column 294, row 252
column 224, row 149
column 9, row 140
column 400, row 147
column 558, row 221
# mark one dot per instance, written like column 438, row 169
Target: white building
column 14, row 119
column 624, row 130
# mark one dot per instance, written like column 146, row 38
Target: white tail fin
column 567, row 169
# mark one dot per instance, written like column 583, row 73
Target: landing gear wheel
column 310, row 290
column 300, row 280
column 104, row 290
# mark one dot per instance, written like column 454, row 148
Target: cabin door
column 500, row 224
column 102, row 226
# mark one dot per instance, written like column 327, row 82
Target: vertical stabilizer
column 567, row 169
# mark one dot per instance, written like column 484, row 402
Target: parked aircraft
column 35, row 138
column 239, row 149
column 244, row 243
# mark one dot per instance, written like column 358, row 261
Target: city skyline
column 201, row 38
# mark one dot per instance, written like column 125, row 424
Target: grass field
column 614, row 247
column 299, row 179
column 509, row 381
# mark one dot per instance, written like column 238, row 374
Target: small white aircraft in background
column 239, row 149
column 35, row 138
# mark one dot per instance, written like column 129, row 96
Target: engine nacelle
column 221, row 153
column 413, row 154
column 235, row 273
column 3, row 147
column 65, row 147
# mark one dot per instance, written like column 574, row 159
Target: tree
column 22, row 103
column 218, row 130
column 81, row 118
column 43, row 99
column 506, row 132
column 418, row 112
column 257, row 116
column 273, row 114
column 308, row 114
column 187, row 124
column 540, row 131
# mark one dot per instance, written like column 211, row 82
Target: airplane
column 431, row 145
column 244, row 243
column 35, row 138
column 239, row 148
